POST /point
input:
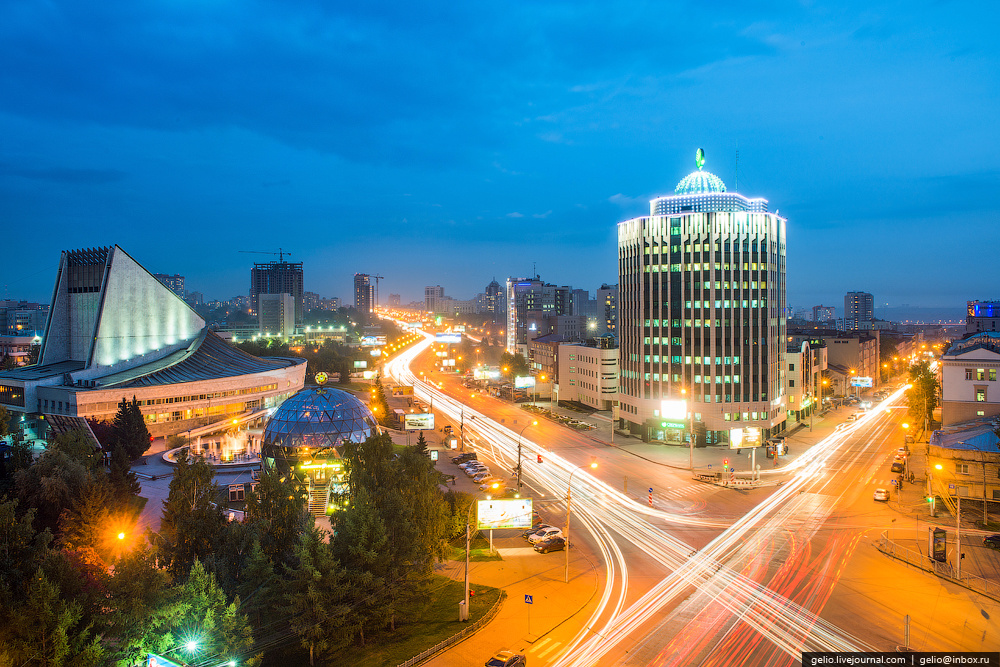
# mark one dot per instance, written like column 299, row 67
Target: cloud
column 541, row 215
column 515, row 214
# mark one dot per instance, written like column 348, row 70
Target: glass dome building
column 304, row 437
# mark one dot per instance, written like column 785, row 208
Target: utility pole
column 958, row 537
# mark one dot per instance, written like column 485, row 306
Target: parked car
column 472, row 472
column 464, row 458
column 531, row 531
column 507, row 659
column 473, row 469
column 492, row 483
column 550, row 544
column 897, row 466
column 992, row 541
column 481, row 477
column 902, row 452
column 881, row 494
column 908, row 438
column 544, row 534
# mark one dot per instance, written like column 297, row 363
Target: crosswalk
column 544, row 650
column 684, row 492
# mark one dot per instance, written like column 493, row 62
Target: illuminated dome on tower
column 701, row 181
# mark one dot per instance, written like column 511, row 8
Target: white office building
column 701, row 300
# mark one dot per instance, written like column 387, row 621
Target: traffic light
column 539, row 458
column 725, row 463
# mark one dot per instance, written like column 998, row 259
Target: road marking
column 539, row 645
column 555, row 645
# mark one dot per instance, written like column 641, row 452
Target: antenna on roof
column 736, row 183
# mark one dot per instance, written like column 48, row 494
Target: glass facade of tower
column 700, row 311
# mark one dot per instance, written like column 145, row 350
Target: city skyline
column 372, row 140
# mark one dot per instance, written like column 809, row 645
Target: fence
column 973, row 582
column 454, row 639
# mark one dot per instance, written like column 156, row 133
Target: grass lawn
column 479, row 550
column 432, row 619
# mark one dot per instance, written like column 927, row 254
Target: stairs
column 319, row 498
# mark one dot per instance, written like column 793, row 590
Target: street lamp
column 534, row 423
column 569, row 500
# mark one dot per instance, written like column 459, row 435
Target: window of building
column 980, row 374
column 962, row 468
column 980, row 394
column 993, row 375
column 791, row 367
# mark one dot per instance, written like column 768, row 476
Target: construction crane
column 281, row 253
column 377, row 278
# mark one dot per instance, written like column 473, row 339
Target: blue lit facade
column 701, row 302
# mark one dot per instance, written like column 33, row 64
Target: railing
column 454, row 639
column 973, row 582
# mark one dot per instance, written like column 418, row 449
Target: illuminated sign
column 361, row 364
column 451, row 338
column 419, row 422
column 402, row 391
column 744, row 437
column 673, row 409
column 671, row 424
column 861, row 382
column 486, row 373
column 458, row 327
column 505, row 513
column 372, row 340
column 524, row 382
column 153, row 660
column 368, row 375
column 321, row 377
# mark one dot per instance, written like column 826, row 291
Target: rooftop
column 979, row 435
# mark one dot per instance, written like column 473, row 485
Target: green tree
column 136, row 601
column 922, row 396
column 47, row 628
column 197, row 611
column 260, row 587
column 317, row 598
column 4, row 421
column 191, row 520
column 380, row 406
column 421, row 447
column 22, row 550
column 53, row 482
column 89, row 526
column 277, row 513
column 130, row 429
column 124, row 482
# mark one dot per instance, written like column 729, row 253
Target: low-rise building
column 969, row 370
column 964, row 460
column 588, row 374
column 806, row 364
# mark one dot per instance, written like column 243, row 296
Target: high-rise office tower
column 859, row 311
column 701, row 299
column 278, row 278
column 364, row 297
column 174, row 282
column 494, row 301
column 824, row 313
column 607, row 296
column 527, row 295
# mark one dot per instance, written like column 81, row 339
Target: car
column 472, row 465
column 902, row 452
column 992, row 541
column 908, row 438
column 464, row 458
column 482, row 477
column 507, row 659
column 881, row 494
column 531, row 531
column 492, row 483
column 897, row 466
column 550, row 544
column 544, row 534
column 472, row 472
column 851, row 418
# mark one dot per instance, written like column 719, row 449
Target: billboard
column 419, row 422
column 486, row 373
column 524, row 382
column 368, row 375
column 744, row 437
column 448, row 338
column 402, row 391
column 504, row 513
column 153, row 660
column 673, row 409
column 372, row 340
column 459, row 327
column 360, row 364
column 861, row 382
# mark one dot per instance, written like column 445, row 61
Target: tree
column 130, row 429
column 89, row 526
column 260, row 588
column 277, row 513
column 921, row 397
column 4, row 421
column 124, row 482
column 421, row 447
column 197, row 611
column 317, row 598
column 380, row 406
column 53, row 482
column 136, row 602
column 191, row 519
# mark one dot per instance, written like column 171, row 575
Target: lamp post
column 930, row 488
column 534, row 423
column 468, row 515
column 569, row 503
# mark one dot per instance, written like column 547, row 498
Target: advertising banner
column 524, row 382
column 486, row 373
column 361, row 364
column 450, row 338
column 419, row 422
column 459, row 327
column 153, row 660
column 402, row 391
column 372, row 340
column 504, row 513
column 861, row 382
column 673, row 409
column 744, row 437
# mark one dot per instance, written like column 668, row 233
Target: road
column 716, row 576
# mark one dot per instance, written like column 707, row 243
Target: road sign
column 434, row 455
column 528, row 600
column 650, row 496
column 951, row 487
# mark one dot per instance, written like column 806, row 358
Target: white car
column 472, row 472
column 881, row 494
column 488, row 483
column 901, row 453
column 551, row 531
column 482, row 477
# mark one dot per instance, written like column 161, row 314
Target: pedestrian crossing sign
column 528, row 600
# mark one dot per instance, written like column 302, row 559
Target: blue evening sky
column 451, row 142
